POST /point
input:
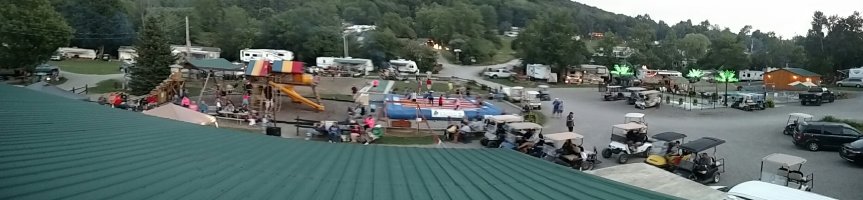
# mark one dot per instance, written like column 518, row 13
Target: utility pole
column 188, row 41
column 345, row 43
column 143, row 13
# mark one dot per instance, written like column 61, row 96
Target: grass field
column 106, row 86
column 87, row 66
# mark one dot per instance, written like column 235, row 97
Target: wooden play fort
column 271, row 78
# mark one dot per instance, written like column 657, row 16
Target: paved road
column 749, row 135
column 470, row 72
column 79, row 80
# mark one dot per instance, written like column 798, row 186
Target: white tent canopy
column 179, row 113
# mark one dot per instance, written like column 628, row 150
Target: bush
column 770, row 104
column 694, row 101
column 680, row 101
column 855, row 124
column 668, row 99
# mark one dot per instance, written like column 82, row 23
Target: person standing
column 555, row 107
column 440, row 101
column 354, row 90
column 570, row 123
column 428, row 84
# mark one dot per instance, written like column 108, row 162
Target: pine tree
column 154, row 58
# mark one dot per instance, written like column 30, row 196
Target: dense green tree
column 154, row 58
column 694, row 46
column 381, row 46
column 400, row 26
column 605, row 49
column 30, row 32
column 553, row 40
column 425, row 57
column 726, row 51
column 99, row 24
column 235, row 32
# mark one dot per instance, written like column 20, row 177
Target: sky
column 786, row 18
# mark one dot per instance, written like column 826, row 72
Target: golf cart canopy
column 649, row 92
column 634, row 115
column 701, row 144
column 559, row 138
column 800, row 115
column 524, row 125
column 668, row 136
column 532, row 92
column 784, row 159
column 636, row 88
column 630, row 126
column 505, row 118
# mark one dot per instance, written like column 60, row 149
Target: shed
column 116, row 154
column 782, row 78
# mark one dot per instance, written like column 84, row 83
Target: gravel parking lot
column 749, row 135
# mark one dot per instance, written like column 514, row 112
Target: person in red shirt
column 428, row 84
column 117, row 101
column 440, row 101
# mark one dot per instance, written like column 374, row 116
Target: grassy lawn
column 86, row 66
column 503, row 54
column 406, row 140
column 540, row 117
column 106, row 86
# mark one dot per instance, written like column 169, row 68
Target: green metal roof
column 801, row 72
column 215, row 64
column 54, row 148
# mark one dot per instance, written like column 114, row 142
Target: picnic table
column 238, row 116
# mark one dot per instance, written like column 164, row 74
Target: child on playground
column 246, row 98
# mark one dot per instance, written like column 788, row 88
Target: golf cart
column 494, row 129
column 635, row 117
column 544, row 95
column 392, row 74
column 749, row 102
column 515, row 131
column 667, row 155
column 633, row 94
column 791, row 126
column 648, row 99
column 787, row 171
column 554, row 148
column 613, row 93
column 532, row 99
column 701, row 167
column 633, row 142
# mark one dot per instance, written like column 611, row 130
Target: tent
column 54, row 90
column 179, row 113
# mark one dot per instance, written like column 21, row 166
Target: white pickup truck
column 497, row 73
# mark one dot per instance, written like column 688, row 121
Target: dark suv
column 853, row 152
column 815, row 135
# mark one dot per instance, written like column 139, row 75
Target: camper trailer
column 538, row 71
column 74, row 52
column 750, row 75
column 247, row 55
column 357, row 66
column 325, row 62
column 404, row 66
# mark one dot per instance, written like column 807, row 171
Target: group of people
column 365, row 132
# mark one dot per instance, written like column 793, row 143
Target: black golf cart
column 701, row 167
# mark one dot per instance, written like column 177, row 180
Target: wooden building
column 781, row 78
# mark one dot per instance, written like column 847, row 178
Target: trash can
column 274, row 131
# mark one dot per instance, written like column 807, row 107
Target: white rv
column 538, row 71
column 404, row 66
column 75, row 52
column 750, row 75
column 325, row 62
column 361, row 66
column 247, row 55
column 855, row 73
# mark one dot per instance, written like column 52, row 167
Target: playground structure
column 270, row 78
column 169, row 87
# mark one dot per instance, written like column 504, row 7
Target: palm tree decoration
column 726, row 76
column 622, row 70
column 695, row 73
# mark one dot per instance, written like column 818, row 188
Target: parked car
column 816, row 96
column 853, row 151
column 497, row 73
column 850, row 82
column 816, row 135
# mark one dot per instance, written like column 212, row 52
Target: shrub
column 668, row 99
column 694, row 101
column 680, row 101
column 855, row 124
column 770, row 104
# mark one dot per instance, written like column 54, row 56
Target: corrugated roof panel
column 57, row 148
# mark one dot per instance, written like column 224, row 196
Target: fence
column 80, row 90
column 698, row 101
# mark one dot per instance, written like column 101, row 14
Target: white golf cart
column 532, row 99
column 792, row 126
column 631, row 142
column 632, row 94
column 494, row 130
column 648, row 99
column 515, row 131
column 635, row 117
column 784, row 169
column 553, row 148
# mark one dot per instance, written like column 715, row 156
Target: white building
column 75, row 52
column 247, row 55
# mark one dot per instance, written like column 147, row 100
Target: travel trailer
column 538, row 71
column 750, row 75
column 74, row 52
column 325, row 62
column 247, row 55
column 404, row 66
column 358, row 66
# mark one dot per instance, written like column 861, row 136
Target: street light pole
column 345, row 43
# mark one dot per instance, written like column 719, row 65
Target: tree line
column 314, row 28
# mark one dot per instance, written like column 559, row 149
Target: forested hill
column 314, row 28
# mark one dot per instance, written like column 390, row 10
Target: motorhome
column 644, row 73
column 74, row 52
column 404, row 66
column 247, row 55
column 750, row 75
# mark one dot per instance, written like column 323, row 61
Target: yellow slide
column 288, row 90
